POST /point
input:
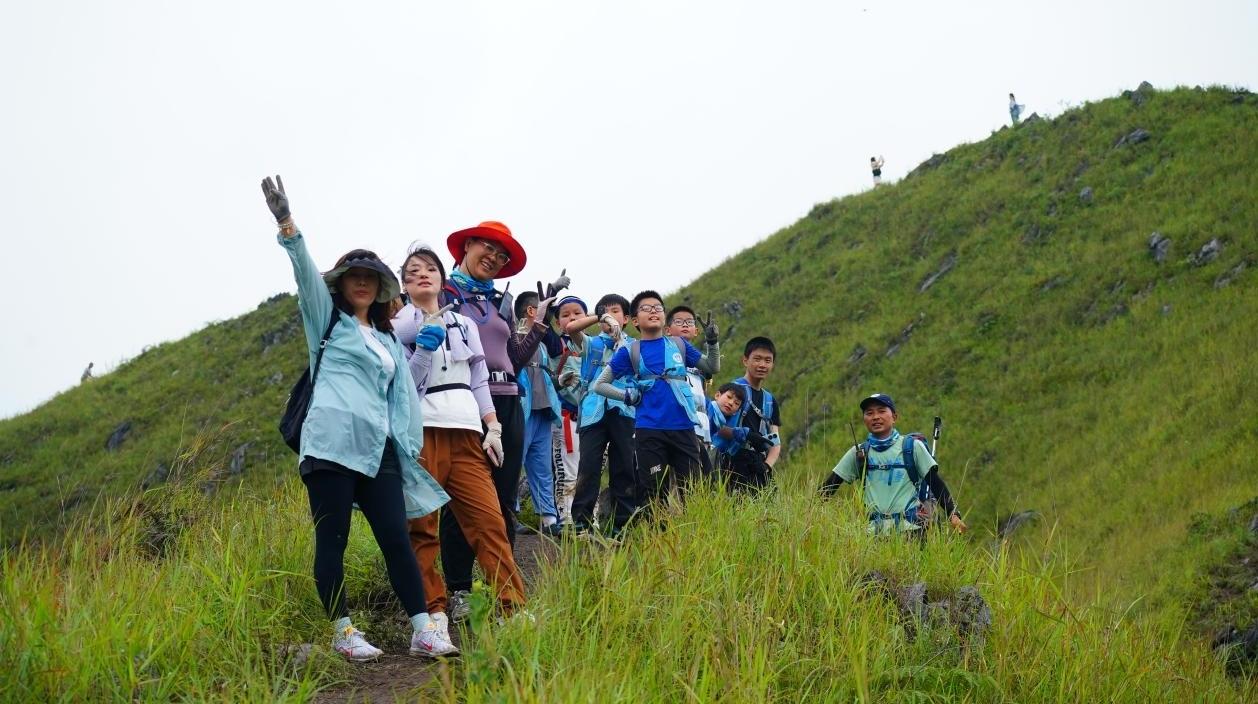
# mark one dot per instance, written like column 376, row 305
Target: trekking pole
column 934, row 441
column 860, row 455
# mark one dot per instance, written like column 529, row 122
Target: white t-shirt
column 452, row 407
column 701, row 405
column 381, row 351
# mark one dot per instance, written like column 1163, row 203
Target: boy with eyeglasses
column 658, row 388
column 682, row 323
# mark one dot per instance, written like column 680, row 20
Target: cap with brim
column 880, row 399
column 497, row 233
column 389, row 286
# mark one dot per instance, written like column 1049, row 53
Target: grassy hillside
column 1077, row 376
column 1009, row 286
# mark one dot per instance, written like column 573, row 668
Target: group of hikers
column 430, row 395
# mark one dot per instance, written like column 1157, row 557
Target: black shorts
column 388, row 464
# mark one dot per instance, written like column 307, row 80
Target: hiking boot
column 432, row 642
column 458, row 608
column 351, row 644
column 554, row 530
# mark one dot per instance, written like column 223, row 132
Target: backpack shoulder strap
column 453, row 296
column 863, row 469
column 323, row 343
column 635, row 355
column 910, row 466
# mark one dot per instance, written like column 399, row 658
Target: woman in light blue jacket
column 362, row 435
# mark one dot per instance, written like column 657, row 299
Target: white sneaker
column 443, row 623
column 431, row 642
column 351, row 644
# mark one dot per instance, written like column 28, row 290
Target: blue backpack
column 907, row 462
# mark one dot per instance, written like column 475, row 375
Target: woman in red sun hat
column 482, row 254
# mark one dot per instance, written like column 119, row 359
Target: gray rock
column 945, row 266
column 971, row 615
column 733, row 309
column 1230, row 275
column 858, row 353
column 1034, row 234
column 1208, row 253
column 911, row 599
column 1159, row 247
column 275, row 378
column 903, row 337
column 1241, row 646
column 295, row 654
column 1144, row 87
column 1134, row 137
column 120, row 433
column 1253, row 524
column 1052, row 283
column 1032, row 119
column 237, row 465
column 1014, row 522
column 1085, row 196
column 1166, row 309
column 158, row 476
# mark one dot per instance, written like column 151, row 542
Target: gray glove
column 276, row 199
column 710, row 332
column 633, row 396
column 559, row 284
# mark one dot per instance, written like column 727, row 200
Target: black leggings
column 332, row 495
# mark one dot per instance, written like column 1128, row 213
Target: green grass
column 1076, row 376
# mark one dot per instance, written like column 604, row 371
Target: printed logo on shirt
column 657, row 469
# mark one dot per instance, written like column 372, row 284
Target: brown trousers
column 457, row 461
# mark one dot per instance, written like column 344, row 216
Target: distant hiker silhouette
column 875, row 165
column 1015, row 110
column 87, row 373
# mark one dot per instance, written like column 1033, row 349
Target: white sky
column 133, row 135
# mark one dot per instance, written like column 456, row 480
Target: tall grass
column 768, row 599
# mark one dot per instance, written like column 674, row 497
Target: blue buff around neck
column 884, row 444
column 471, row 285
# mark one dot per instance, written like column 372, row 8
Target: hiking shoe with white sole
column 431, row 642
column 443, row 623
column 351, row 644
column 458, row 607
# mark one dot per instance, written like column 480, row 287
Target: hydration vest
column 526, row 387
column 598, row 352
column 674, row 373
column 908, row 463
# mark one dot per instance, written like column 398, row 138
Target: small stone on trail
column 1085, row 196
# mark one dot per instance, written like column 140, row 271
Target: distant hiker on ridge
column 875, row 165
column 1015, row 110
column 87, row 373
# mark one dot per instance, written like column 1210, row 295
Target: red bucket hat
column 497, row 233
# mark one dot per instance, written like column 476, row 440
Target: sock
column 340, row 624
column 418, row 621
column 548, row 521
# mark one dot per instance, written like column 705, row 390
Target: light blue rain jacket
column 598, row 351
column 526, row 387
column 354, row 406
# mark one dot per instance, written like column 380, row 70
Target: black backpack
column 299, row 398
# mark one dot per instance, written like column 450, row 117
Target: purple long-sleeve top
column 504, row 352
column 463, row 344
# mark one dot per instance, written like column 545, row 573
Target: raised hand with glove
column 433, row 330
column 711, row 333
column 277, row 201
column 558, row 285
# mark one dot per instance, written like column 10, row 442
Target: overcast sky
column 637, row 144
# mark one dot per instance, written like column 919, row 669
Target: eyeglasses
column 650, row 308
column 684, row 322
column 498, row 253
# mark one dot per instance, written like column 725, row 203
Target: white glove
column 542, row 307
column 437, row 318
column 613, row 326
column 493, row 443
column 568, row 378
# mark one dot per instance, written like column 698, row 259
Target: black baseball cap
column 880, row 399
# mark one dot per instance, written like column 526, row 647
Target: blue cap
column 880, row 399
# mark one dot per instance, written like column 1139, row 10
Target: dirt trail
column 398, row 676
